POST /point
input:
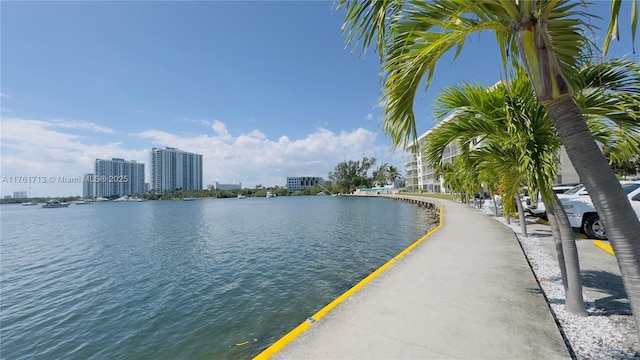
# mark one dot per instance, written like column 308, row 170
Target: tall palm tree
column 449, row 173
column 393, row 174
column 379, row 175
column 517, row 144
column 517, row 129
column 547, row 37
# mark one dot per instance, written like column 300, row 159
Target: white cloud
column 253, row 159
column 48, row 148
column 369, row 116
column 55, row 148
column 206, row 123
column 221, row 129
column 81, row 125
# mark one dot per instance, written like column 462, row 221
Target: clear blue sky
column 264, row 90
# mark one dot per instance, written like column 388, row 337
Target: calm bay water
column 219, row 278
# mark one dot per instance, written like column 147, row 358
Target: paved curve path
column 466, row 292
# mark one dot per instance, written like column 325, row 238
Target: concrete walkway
column 466, row 292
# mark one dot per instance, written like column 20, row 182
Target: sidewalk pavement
column 466, row 292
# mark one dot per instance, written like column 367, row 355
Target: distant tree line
column 346, row 178
column 210, row 192
column 354, row 174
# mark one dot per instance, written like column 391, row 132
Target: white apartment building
column 173, row 169
column 20, row 195
column 89, row 186
column 302, row 182
column 420, row 177
column 219, row 186
column 115, row 178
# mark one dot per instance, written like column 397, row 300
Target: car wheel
column 594, row 228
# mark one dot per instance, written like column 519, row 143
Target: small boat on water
column 84, row 202
column 126, row 198
column 188, row 198
column 54, row 204
column 270, row 194
column 240, row 196
column 29, row 203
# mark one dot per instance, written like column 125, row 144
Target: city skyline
column 281, row 97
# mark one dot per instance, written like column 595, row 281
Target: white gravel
column 591, row 337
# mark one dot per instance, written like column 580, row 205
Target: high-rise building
column 118, row 177
column 173, row 169
column 89, row 186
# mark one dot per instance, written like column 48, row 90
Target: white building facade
column 20, row 194
column 421, row 178
column 418, row 176
column 173, row 169
column 89, row 186
column 300, row 183
column 219, row 186
column 116, row 177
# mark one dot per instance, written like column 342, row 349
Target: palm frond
column 613, row 31
column 369, row 21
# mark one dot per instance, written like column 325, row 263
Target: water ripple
column 172, row 279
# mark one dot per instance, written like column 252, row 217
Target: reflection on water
column 175, row 279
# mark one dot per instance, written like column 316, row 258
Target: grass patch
column 429, row 195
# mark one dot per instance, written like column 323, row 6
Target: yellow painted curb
column 604, row 246
column 542, row 221
column 291, row 335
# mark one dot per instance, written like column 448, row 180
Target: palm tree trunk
column 557, row 241
column 523, row 221
column 611, row 203
column 554, row 92
column 573, row 291
column 495, row 203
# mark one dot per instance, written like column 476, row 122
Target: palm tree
column 547, row 37
column 467, row 174
column 517, row 147
column 393, row 174
column 515, row 127
column 380, row 174
column 448, row 172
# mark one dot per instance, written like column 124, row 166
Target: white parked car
column 539, row 209
column 582, row 214
column 581, row 190
column 578, row 190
